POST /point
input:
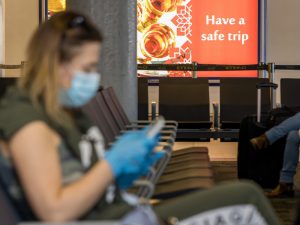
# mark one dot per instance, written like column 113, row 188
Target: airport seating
column 186, row 100
column 185, row 164
column 238, row 98
column 143, row 113
column 290, row 93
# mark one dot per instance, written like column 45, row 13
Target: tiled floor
column 218, row 151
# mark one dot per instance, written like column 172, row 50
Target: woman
column 45, row 140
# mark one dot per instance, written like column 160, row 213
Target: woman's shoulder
column 16, row 111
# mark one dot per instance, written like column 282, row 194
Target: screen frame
column 43, row 11
column 261, row 38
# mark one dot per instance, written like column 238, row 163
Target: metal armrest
column 165, row 145
column 216, row 115
column 136, row 126
column 167, row 140
column 152, row 172
column 168, row 122
column 168, row 133
column 147, row 184
column 160, row 166
column 162, row 132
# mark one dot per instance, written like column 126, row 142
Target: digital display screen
column 202, row 31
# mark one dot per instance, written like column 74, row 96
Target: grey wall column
column 117, row 20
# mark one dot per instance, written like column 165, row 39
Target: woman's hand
column 131, row 156
column 126, row 180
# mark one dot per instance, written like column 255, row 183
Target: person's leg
column 233, row 194
column 279, row 131
column 103, row 211
column 288, row 171
column 291, row 157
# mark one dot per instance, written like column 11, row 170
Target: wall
column 21, row 17
column 117, row 20
column 283, row 36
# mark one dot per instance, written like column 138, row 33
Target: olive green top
column 16, row 110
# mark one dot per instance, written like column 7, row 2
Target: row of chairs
column 180, row 171
column 187, row 101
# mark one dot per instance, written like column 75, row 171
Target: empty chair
column 100, row 114
column 186, row 100
column 290, row 93
column 96, row 116
column 109, row 100
column 194, row 161
column 238, row 98
column 143, row 98
column 108, row 110
column 189, row 163
column 121, row 118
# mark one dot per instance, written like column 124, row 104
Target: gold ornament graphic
column 56, row 5
column 139, row 11
column 157, row 41
column 149, row 11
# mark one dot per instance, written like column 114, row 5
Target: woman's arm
column 35, row 153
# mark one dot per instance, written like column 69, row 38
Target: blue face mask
column 83, row 88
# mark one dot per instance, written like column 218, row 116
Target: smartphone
column 156, row 127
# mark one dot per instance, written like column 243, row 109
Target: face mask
column 83, row 88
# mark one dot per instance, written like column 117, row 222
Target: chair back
column 143, row 113
column 238, row 98
column 290, row 93
column 184, row 99
column 118, row 105
column 97, row 116
column 113, row 109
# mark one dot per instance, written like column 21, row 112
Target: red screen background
column 225, row 52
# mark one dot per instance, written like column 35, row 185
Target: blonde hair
column 55, row 42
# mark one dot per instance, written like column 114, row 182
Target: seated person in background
column 46, row 143
column 289, row 127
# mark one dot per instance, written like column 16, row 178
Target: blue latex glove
column 128, row 153
column 126, row 180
